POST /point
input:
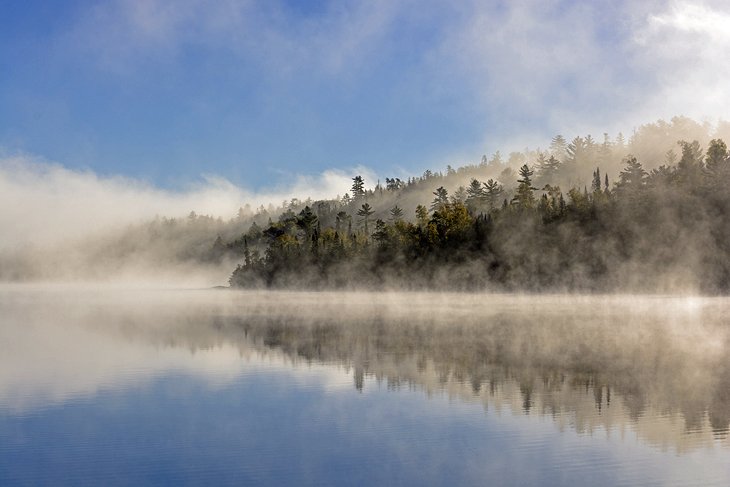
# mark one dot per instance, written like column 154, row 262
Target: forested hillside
column 655, row 227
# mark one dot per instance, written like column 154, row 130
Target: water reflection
column 657, row 367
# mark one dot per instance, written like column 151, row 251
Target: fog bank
column 44, row 203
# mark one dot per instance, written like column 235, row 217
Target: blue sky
column 259, row 93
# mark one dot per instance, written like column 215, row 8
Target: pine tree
column 548, row 172
column 396, row 213
column 689, row 168
column 525, row 197
column 632, row 179
column 596, row 184
column 422, row 215
column 340, row 220
column 358, row 187
column 492, row 192
column 365, row 212
column 459, row 195
column 717, row 166
column 717, row 154
column 475, row 196
column 474, row 191
column 307, row 220
column 576, row 151
column 441, row 199
column 558, row 147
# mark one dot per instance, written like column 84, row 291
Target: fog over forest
column 645, row 211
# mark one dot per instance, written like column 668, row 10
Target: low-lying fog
column 64, row 225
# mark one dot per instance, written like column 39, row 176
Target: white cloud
column 534, row 69
column 539, row 68
column 685, row 46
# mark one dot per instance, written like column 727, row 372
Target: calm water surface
column 220, row 387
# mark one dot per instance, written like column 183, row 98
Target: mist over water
column 641, row 383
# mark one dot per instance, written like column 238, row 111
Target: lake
column 217, row 387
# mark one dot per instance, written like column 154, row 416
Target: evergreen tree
column 548, row 172
column 525, row 197
column 441, row 199
column 717, row 154
column 365, row 212
column 596, row 184
column 474, row 191
column 475, row 196
column 717, row 166
column 254, row 233
column 576, row 151
column 307, row 220
column 459, row 195
column 246, row 254
column 558, row 147
column 492, row 192
column 689, row 168
column 393, row 184
column 632, row 179
column 340, row 220
column 591, row 148
column 396, row 214
column 381, row 234
column 421, row 215
column 358, row 187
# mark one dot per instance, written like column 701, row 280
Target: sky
column 266, row 96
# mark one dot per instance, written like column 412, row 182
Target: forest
column 664, row 229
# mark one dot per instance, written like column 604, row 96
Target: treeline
column 666, row 229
